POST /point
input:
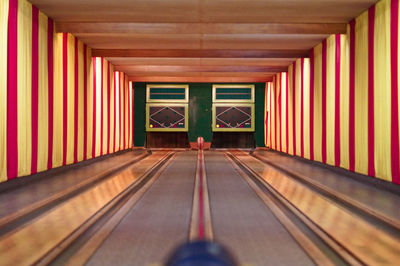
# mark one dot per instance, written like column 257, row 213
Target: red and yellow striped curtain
column 343, row 102
column 56, row 104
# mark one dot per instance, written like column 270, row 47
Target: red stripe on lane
column 76, row 104
column 294, row 106
column 35, row 88
column 352, row 96
column 312, row 104
column 85, row 102
column 323, row 144
column 201, row 197
column 371, row 119
column 94, row 109
column 65, row 96
column 50, row 69
column 12, row 96
column 337, row 100
column 302, row 109
column 394, row 28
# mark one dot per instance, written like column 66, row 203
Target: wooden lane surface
column 38, row 204
column 26, row 245
column 369, row 244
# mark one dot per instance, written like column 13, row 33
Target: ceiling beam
column 201, row 53
column 200, row 79
column 201, row 28
column 154, row 68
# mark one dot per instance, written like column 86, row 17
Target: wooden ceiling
column 202, row 40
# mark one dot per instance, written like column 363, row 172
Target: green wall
column 200, row 112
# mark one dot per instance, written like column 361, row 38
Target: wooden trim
column 267, row 78
column 157, row 68
column 201, row 28
column 200, row 53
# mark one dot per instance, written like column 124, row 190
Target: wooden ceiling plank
column 200, row 53
column 154, row 68
column 200, row 79
column 200, row 28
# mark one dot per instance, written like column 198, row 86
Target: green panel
column 167, row 93
column 259, row 102
column 200, row 108
column 139, row 113
column 233, row 94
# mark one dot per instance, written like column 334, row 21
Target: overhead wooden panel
column 209, row 11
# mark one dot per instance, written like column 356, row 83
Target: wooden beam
column 199, row 79
column 154, row 68
column 201, row 28
column 201, row 53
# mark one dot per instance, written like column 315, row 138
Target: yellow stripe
column 306, row 110
column 24, row 73
column 117, row 148
column 298, row 107
column 105, row 101
column 111, row 74
column 273, row 112
column 382, row 91
column 269, row 86
column 43, row 104
column 98, row 104
column 126, row 112
column 80, row 100
column 278, row 113
column 3, row 89
column 330, row 99
column 89, row 105
column 318, row 103
column 290, row 95
column 361, row 94
column 71, row 98
column 344, row 102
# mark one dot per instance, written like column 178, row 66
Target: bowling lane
column 157, row 223
column 243, row 223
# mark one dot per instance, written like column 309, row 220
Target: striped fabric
column 56, row 101
column 341, row 105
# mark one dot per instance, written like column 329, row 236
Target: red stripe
column 270, row 116
column 371, row 122
column 12, row 96
column 108, row 107
column 129, row 114
column 394, row 29
column 115, row 110
column 85, row 99
column 120, row 110
column 276, row 111
column 123, row 111
column 94, row 109
column 287, row 112
column 312, row 104
column 302, row 109
column 280, row 112
column 76, row 104
column 102, row 107
column 352, row 96
column 294, row 106
column 337, row 101
column 133, row 116
column 323, row 146
column 65, row 96
column 35, row 87
column 50, row 70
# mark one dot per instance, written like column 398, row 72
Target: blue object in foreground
column 201, row 253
